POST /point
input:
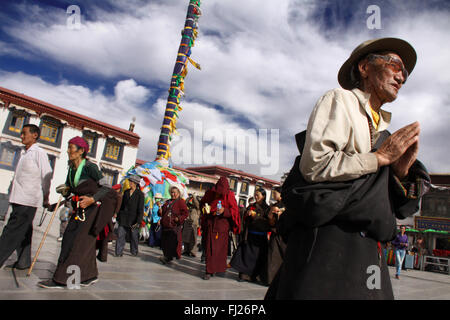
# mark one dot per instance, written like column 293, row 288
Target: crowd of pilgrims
column 247, row 235
column 100, row 214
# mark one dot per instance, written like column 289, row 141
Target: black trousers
column 17, row 235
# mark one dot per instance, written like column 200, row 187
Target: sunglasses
column 392, row 63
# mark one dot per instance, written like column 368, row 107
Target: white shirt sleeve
column 333, row 143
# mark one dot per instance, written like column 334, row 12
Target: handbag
column 167, row 220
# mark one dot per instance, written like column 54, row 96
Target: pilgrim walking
column 93, row 202
column 250, row 258
column 130, row 217
column 173, row 213
column 30, row 190
column 221, row 215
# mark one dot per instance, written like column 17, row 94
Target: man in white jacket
column 30, row 190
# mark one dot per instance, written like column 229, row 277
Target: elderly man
column 350, row 182
column 30, row 190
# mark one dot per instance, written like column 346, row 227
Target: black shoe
column 118, row 255
column 165, row 260
column 206, row 276
column 89, row 282
column 244, row 277
column 50, row 284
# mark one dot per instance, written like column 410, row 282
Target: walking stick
column 45, row 235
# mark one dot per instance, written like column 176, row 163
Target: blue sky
column 264, row 64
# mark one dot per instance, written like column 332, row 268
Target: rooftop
column 74, row 119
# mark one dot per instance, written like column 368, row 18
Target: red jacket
column 174, row 209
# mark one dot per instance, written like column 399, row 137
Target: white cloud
column 266, row 62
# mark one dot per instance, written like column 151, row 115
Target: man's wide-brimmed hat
column 135, row 178
column 398, row 46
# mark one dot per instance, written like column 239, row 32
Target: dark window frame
column 115, row 173
column 121, row 150
column 271, row 195
column 55, row 122
column 248, row 187
column 235, row 184
column 245, row 200
column 16, row 149
column 93, row 151
column 13, row 111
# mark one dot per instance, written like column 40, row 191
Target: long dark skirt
column 171, row 243
column 251, row 257
column 78, row 248
column 333, row 263
column 277, row 249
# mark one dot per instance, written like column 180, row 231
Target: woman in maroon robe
column 216, row 224
column 173, row 213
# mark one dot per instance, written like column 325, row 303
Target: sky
column 264, row 65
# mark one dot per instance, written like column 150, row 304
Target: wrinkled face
column 174, row 193
column 28, row 137
column 383, row 76
column 74, row 152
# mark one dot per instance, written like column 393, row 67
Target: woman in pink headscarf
column 94, row 203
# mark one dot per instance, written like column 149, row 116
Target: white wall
column 60, row 170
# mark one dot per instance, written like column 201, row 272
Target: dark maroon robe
column 216, row 227
column 171, row 229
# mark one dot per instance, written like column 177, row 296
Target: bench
column 437, row 261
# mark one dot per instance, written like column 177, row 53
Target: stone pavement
column 145, row 278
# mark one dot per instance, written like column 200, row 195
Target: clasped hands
column 400, row 149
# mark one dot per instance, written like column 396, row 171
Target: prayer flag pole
column 158, row 176
column 176, row 90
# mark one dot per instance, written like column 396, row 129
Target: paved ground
column 144, row 277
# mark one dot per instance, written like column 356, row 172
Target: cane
column 45, row 235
